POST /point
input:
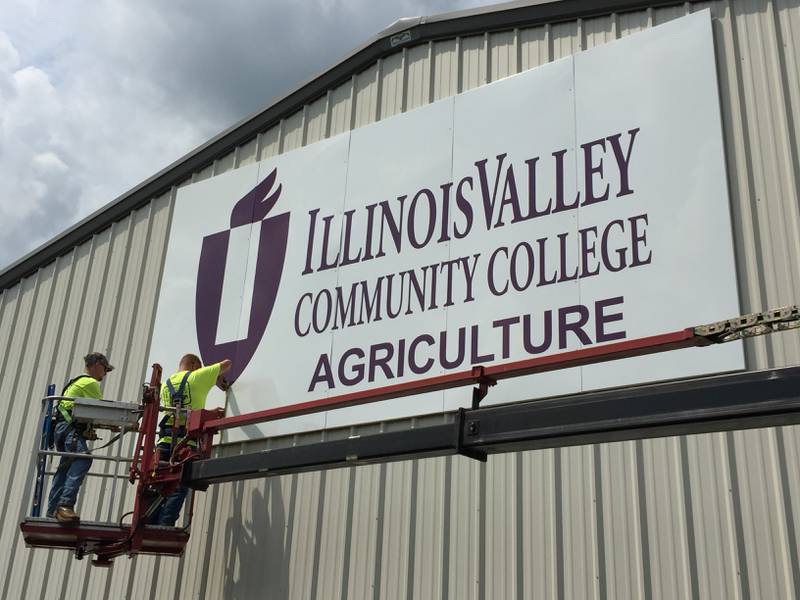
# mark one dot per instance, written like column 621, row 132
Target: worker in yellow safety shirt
column 71, row 437
column 188, row 388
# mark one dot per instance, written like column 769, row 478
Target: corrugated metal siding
column 709, row 516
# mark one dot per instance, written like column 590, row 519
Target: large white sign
column 580, row 203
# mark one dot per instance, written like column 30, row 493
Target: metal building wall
column 710, row 516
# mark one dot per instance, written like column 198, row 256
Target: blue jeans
column 167, row 512
column 71, row 471
column 169, row 509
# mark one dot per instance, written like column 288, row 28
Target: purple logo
column 253, row 207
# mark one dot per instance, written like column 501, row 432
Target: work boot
column 65, row 514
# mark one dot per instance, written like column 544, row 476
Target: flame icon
column 252, row 208
column 255, row 205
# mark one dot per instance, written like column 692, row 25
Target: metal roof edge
column 518, row 13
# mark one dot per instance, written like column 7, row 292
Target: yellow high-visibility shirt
column 85, row 387
column 195, row 392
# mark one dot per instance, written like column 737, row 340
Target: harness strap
column 180, row 396
column 67, row 414
column 179, row 393
column 73, row 380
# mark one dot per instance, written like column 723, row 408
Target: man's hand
column 225, row 366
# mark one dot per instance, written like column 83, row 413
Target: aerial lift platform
column 156, row 480
column 731, row 401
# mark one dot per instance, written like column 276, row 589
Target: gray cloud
column 97, row 96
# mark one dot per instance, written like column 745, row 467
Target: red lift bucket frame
column 153, row 479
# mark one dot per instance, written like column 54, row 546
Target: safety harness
column 65, row 414
column 62, row 414
column 177, row 398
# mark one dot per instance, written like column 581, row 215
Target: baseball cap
column 96, row 357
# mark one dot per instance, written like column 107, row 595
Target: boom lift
column 154, row 481
column 713, row 403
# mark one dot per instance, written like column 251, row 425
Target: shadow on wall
column 250, row 431
column 257, row 551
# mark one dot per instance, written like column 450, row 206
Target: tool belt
column 177, row 435
column 167, row 430
column 59, row 417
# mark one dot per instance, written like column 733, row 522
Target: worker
column 71, row 437
column 188, row 388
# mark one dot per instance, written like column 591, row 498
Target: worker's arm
column 224, row 367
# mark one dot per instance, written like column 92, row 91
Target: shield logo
column 274, row 231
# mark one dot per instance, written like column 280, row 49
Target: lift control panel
column 106, row 414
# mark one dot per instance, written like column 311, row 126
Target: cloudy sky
column 97, row 95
